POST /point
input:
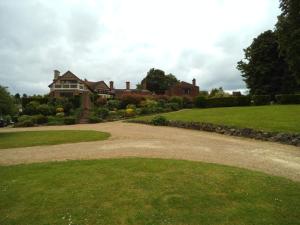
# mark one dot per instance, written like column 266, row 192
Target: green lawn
column 281, row 118
column 34, row 138
column 144, row 191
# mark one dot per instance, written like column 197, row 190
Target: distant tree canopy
column 264, row 70
column 218, row 93
column 7, row 106
column 157, row 81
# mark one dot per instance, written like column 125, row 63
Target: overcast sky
column 121, row 40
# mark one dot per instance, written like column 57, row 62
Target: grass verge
column 144, row 191
column 34, row 138
column 276, row 118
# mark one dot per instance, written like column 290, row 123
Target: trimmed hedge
column 160, row 121
column 261, row 99
column 69, row 120
column 203, row 102
column 288, row 99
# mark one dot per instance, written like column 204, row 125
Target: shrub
column 61, row 114
column 288, row 99
column 94, row 119
column 69, row 120
column 41, row 119
column 130, row 112
column 59, row 109
column 31, row 108
column 101, row 101
column 228, row 101
column 261, row 99
column 102, row 113
column 187, row 102
column 159, row 121
column 178, row 100
column 131, row 106
column 25, row 123
column 134, row 99
column 113, row 104
column 172, row 106
column 200, row 101
column 53, row 120
column 45, row 110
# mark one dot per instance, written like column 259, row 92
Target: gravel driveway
column 136, row 140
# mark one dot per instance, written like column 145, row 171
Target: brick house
column 184, row 89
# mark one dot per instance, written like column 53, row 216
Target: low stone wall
column 285, row 138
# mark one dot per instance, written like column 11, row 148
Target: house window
column 73, row 86
column 57, row 86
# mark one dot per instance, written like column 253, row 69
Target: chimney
column 127, row 85
column 194, row 82
column 56, row 74
column 111, row 85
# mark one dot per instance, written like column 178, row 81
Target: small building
column 184, row 89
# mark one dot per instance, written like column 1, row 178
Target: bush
column 288, row 99
column 61, row 114
column 128, row 99
column 53, row 120
column 261, row 99
column 69, row 120
column 228, row 101
column 31, row 108
column 101, row 101
column 102, row 113
column 130, row 112
column 94, row 119
column 159, row 121
column 45, row 110
column 131, row 106
column 172, row 106
column 41, row 119
column 200, row 101
column 25, row 123
column 178, row 100
column 188, row 102
column 59, row 109
column 113, row 104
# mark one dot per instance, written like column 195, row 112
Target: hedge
column 203, row 102
column 288, row 99
column 261, row 99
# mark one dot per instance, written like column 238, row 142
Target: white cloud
column 121, row 40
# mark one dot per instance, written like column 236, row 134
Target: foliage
column 200, row 101
column 288, row 30
column 159, row 121
column 218, row 93
column 130, row 112
column 32, row 108
column 187, row 102
column 173, row 106
column 178, row 100
column 25, row 123
column 45, row 110
column 60, row 114
column 127, row 99
column 261, row 99
column 113, row 104
column 7, row 106
column 272, row 118
column 158, row 82
column 203, row 94
column 264, row 70
column 101, row 101
column 40, row 99
column 40, row 119
column 288, row 99
column 94, row 119
column 69, row 120
column 59, row 109
column 54, row 120
column 102, row 112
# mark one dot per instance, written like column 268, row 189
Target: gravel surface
column 136, row 140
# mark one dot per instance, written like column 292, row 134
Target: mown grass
column 34, row 138
column 277, row 118
column 144, row 191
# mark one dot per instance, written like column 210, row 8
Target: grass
column 277, row 118
column 144, row 191
column 34, row 138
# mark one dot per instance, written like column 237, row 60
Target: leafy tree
column 264, row 69
column 218, row 93
column 7, row 106
column 157, row 81
column 288, row 30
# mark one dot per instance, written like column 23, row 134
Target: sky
column 121, row 40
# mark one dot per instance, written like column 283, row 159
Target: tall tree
column 7, row 106
column 264, row 70
column 157, row 81
column 288, row 30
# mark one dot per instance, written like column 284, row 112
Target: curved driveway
column 136, row 140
